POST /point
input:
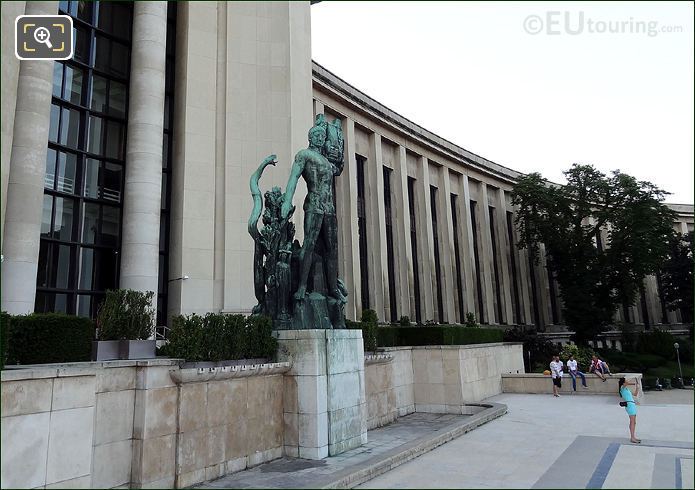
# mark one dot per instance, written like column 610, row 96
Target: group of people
column 597, row 367
column 627, row 389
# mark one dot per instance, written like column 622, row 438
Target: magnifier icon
column 43, row 35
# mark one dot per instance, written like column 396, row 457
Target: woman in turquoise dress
column 631, row 406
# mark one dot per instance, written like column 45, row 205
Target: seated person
column 599, row 368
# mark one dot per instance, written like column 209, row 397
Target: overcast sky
column 515, row 83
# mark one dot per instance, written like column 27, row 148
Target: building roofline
column 350, row 92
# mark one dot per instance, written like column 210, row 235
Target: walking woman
column 630, row 405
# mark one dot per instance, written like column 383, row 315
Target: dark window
column 476, row 258
column 457, row 257
column 83, row 187
column 389, row 243
column 413, row 246
column 362, row 231
column 599, row 243
column 516, row 307
column 495, row 264
column 627, row 318
column 437, row 263
column 164, row 219
column 662, row 300
column 643, row 305
column 534, row 292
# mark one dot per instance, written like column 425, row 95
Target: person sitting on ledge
column 574, row 372
column 599, row 368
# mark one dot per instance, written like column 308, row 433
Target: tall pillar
column 347, row 222
column 486, row 256
column 543, row 287
column 401, row 221
column 425, row 240
column 468, row 245
column 505, row 249
column 447, row 260
column 22, row 228
column 376, row 223
column 220, row 162
column 143, row 169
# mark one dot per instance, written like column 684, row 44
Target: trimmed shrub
column 404, row 321
column 581, row 354
column 4, row 329
column 437, row 335
column 41, row 338
column 657, row 342
column 216, row 337
column 471, row 322
column 126, row 314
column 370, row 327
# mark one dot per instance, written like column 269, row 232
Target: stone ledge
column 352, row 477
column 538, row 383
column 196, row 375
column 377, row 359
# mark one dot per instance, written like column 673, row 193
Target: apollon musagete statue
column 298, row 285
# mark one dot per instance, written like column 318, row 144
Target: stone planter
column 106, row 350
column 138, row 349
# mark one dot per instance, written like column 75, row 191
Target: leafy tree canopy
column 677, row 275
column 602, row 235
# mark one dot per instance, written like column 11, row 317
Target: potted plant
column 125, row 324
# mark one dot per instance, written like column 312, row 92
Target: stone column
column 8, row 101
column 401, row 221
column 143, row 169
column 447, row 258
column 543, row 287
column 22, row 229
column 468, row 255
column 425, row 239
column 220, row 161
column 347, row 212
column 376, row 223
column 486, row 257
column 505, row 248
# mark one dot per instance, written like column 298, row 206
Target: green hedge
column 437, row 335
column 41, row 338
column 216, row 337
column 4, row 328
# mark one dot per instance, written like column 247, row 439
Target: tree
column 677, row 276
column 594, row 279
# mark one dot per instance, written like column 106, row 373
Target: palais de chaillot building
column 128, row 166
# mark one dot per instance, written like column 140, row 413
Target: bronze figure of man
column 318, row 165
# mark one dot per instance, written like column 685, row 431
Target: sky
column 532, row 86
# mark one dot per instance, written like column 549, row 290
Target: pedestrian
column 599, row 368
column 556, row 373
column 574, row 372
column 629, row 403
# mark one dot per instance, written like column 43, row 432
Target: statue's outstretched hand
column 270, row 160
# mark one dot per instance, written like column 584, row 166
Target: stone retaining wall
column 543, row 383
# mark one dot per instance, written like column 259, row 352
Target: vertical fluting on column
column 22, row 230
column 143, row 169
column 348, row 225
column 376, row 220
column 504, row 249
column 220, row 161
column 486, row 256
column 469, row 268
column 446, row 230
column 401, row 219
column 425, row 239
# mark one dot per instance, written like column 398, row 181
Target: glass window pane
column 167, row 102
column 101, row 57
column 81, row 40
column 117, row 99
column 114, row 140
column 121, row 19
column 119, row 59
column 70, row 127
column 55, row 120
column 113, row 182
column 42, row 273
column 98, row 102
column 57, row 79
column 105, row 16
column 162, row 232
column 49, row 179
column 84, row 305
column 110, row 226
column 161, row 275
column 106, row 265
column 164, row 192
column 62, row 222
column 63, row 6
column 46, row 216
column 91, row 178
column 60, row 266
column 61, row 304
column 84, row 10
column 73, row 84
column 43, row 301
column 90, row 222
column 95, row 135
column 67, row 165
column 87, row 270
column 73, row 9
column 165, row 151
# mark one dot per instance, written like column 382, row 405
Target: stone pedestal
column 325, row 408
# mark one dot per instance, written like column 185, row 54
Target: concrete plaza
column 566, row 442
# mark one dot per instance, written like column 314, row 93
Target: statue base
column 325, row 407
